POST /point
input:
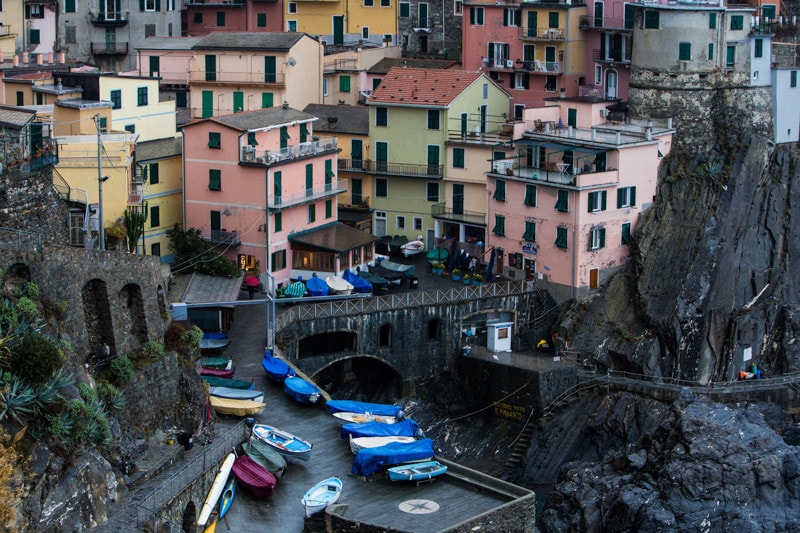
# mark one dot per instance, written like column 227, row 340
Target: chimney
column 39, row 59
column 49, row 57
column 16, row 60
column 61, row 57
column 59, row 85
column 25, row 58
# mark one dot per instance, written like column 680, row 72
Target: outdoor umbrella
column 252, row 281
column 491, row 266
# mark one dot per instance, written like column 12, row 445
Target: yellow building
column 343, row 22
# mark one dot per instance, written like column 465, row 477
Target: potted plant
column 438, row 268
column 477, row 279
column 456, row 274
column 466, row 279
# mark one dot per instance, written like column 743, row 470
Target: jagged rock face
column 707, row 467
column 713, row 273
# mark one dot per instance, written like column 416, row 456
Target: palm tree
column 134, row 221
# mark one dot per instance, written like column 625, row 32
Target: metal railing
column 394, row 169
column 108, row 48
column 544, row 34
column 223, row 237
column 305, row 149
column 329, row 189
column 179, row 480
column 441, row 210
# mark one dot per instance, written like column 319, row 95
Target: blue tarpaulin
column 406, row 428
column 370, row 460
column 351, row 406
column 300, row 390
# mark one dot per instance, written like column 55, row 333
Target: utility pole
column 100, row 181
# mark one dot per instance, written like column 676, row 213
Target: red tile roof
column 428, row 87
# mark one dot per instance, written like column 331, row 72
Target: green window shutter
column 344, row 84
column 561, row 238
column 251, row 138
column 303, row 132
column 328, row 208
column 710, row 51
column 155, row 65
column 405, row 10
column 627, row 238
column 458, row 158
column 266, row 100
column 552, row 19
column 270, row 72
column 530, row 195
column 500, row 191
column 712, row 21
column 381, row 116
column 684, row 51
column 562, row 204
column 603, row 195
column 285, row 137
column 737, row 22
column 602, row 232
column 277, row 222
column 220, row 19
column 651, row 19
column 153, row 173
column 155, row 217
column 141, row 5
column 312, row 213
column 357, row 150
column 215, row 179
column 208, row 104
column 530, row 232
column 433, row 119
column 759, row 51
column 532, row 22
column 158, row 5
column 630, row 16
column 633, row 196
column 793, row 78
column 277, row 187
column 69, row 6
column 309, row 179
column 261, row 20
column 329, row 174
column 499, row 225
column 211, row 67
column 238, row 101
column 214, row 139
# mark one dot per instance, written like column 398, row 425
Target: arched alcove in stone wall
column 327, row 342
column 190, row 517
column 16, row 276
column 162, row 302
column 132, row 313
column 99, row 326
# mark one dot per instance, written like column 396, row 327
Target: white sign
column 748, row 354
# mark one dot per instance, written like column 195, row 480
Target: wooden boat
column 370, row 460
column 360, row 418
column 353, row 406
column 265, row 455
column 216, row 372
column 339, row 285
column 227, row 406
column 360, row 285
column 316, row 286
column 359, row 443
column 227, row 497
column 301, row 390
column 405, row 428
column 234, row 394
column 321, row 495
column 214, row 344
column 412, row 248
column 229, row 383
column 285, row 443
column 416, row 471
column 216, row 489
column 216, row 362
column 276, row 369
column 253, row 477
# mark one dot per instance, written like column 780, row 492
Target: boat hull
column 227, row 497
column 227, row 406
column 424, row 471
column 284, row 443
column 359, row 443
column 215, row 381
column 361, row 418
column 216, row 489
column 216, row 372
column 275, row 368
column 300, row 390
column 265, row 455
column 253, row 477
column 234, row 394
column 321, row 495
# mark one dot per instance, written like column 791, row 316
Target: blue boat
column 226, row 499
column 352, row 406
column 316, row 286
column 405, row 428
column 370, row 460
column 276, row 369
column 284, row 442
column 300, row 390
column 359, row 284
column 418, row 472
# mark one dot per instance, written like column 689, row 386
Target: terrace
column 250, row 154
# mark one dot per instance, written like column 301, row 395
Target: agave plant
column 17, row 401
column 50, row 391
column 59, row 426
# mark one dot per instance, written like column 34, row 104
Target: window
column 148, row 5
column 561, row 237
column 285, row 136
column 381, row 188
column 626, row 197
column 170, row 7
column 627, row 238
column 220, row 19
column 267, row 100
column 292, row 8
column 651, row 19
column 530, row 231
column 500, row 191
column 33, row 37
column 154, row 66
column 69, row 6
column 155, row 217
column 629, row 16
column 116, row 99
column 710, row 51
column 597, row 201
column 381, row 116
column 369, row 3
column 328, row 208
column 433, row 119
column 712, row 21
column 476, row 16
column 458, row 7
column 597, row 238
column 405, row 10
column 130, row 128
column 730, row 59
column 103, row 125
column 312, row 213
column 309, row 179
column 141, row 96
column 520, row 80
column 34, row 11
column 499, row 225
column 562, row 203
column 485, row 96
column 277, row 222
column 261, row 20
column 198, row 18
column 512, row 17
column 598, row 75
column 684, row 51
column 291, row 26
column 155, row 249
column 458, row 158
column 530, row 195
column 71, row 34
column 153, row 173
column 551, row 83
column 386, row 3
column 278, row 260
column 277, row 187
column 737, row 22
column 433, row 160
column 759, row 48
column 793, row 78
column 401, row 222
column 552, row 19
column 214, row 179
column 344, row 84
column 149, row 30
column 324, row 86
column 214, row 139
column 329, row 174
column 270, row 69
column 432, row 188
column 365, row 32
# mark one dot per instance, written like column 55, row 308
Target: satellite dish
column 292, row 61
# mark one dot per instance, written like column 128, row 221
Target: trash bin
column 413, row 282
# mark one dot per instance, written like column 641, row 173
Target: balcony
column 354, row 201
column 221, row 237
column 479, row 137
column 542, row 67
column 544, row 34
column 392, row 169
column 554, row 173
column 310, row 195
column 109, row 19
column 613, row 57
column 442, row 212
column 238, row 78
column 588, row 22
column 109, row 49
column 249, row 154
column 214, row 3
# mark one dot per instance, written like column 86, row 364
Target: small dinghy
column 216, row 362
column 359, row 443
column 216, row 372
column 265, row 455
column 361, row 418
column 229, row 383
column 321, row 495
column 316, row 286
column 360, row 285
column 418, row 472
column 284, row 442
column 234, row 394
column 353, row 406
column 297, row 289
column 256, row 479
column 301, row 390
column 412, row 248
column 227, row 406
column 339, row 285
column 276, row 369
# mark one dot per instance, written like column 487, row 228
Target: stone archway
column 99, row 326
column 132, row 313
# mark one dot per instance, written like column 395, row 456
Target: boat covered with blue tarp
column 352, row 406
column 404, row 428
column 370, row 460
column 276, row 369
column 316, row 286
column 300, row 390
column 360, row 285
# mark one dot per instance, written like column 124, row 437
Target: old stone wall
column 30, row 203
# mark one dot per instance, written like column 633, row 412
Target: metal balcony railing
column 109, row 18
column 309, row 195
column 225, row 76
column 214, row 3
column 250, row 154
column 394, row 169
column 606, row 23
column 544, row 34
column 106, row 48
column 223, row 237
column 354, row 201
column 441, row 211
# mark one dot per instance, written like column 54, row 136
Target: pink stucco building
column 563, row 208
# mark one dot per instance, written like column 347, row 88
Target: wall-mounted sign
column 529, row 248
